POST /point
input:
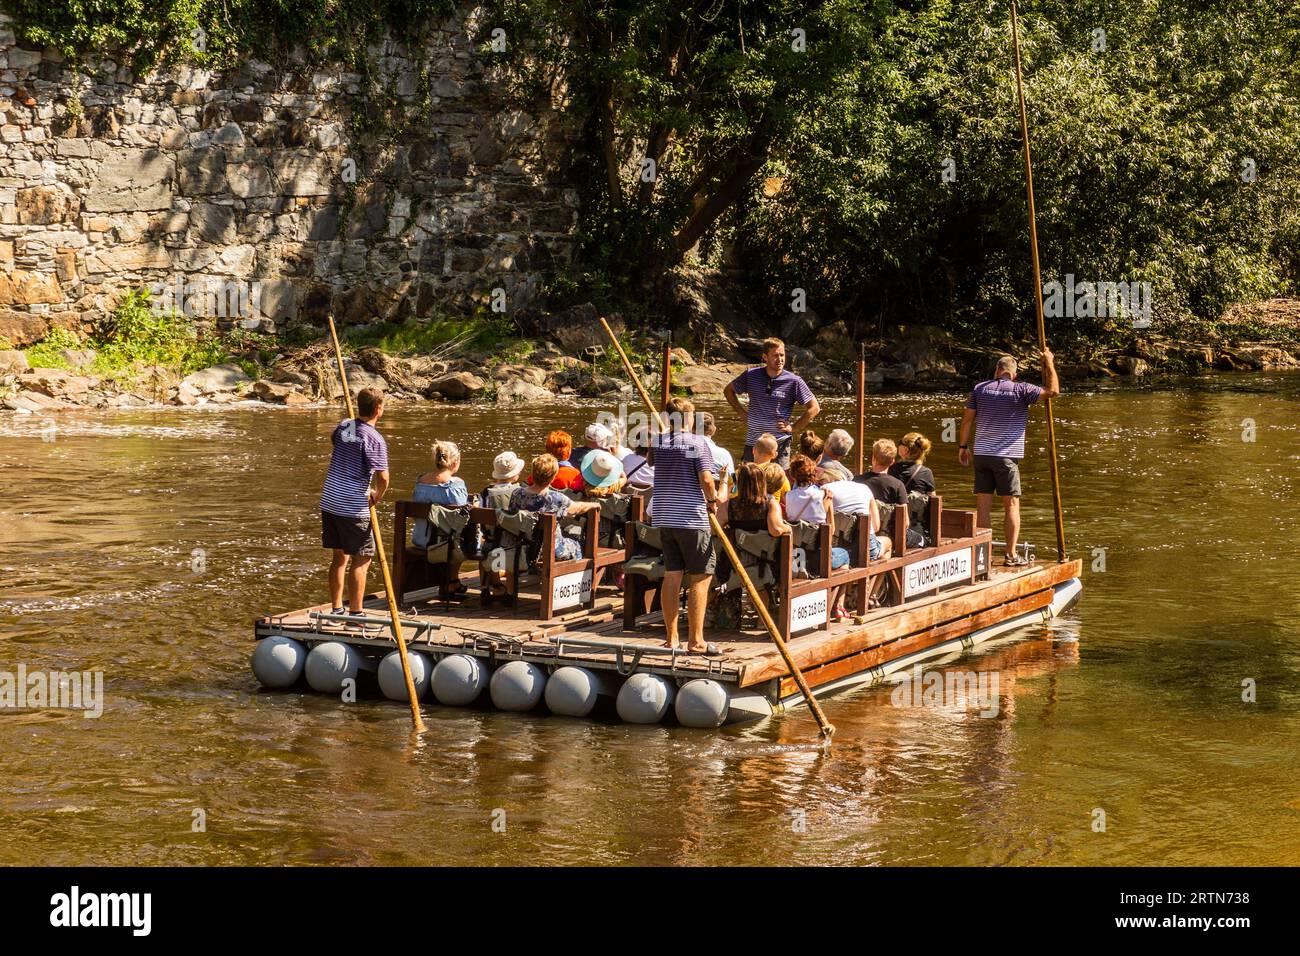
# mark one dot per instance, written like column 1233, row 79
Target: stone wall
column 277, row 188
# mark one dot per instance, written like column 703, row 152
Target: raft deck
column 595, row 637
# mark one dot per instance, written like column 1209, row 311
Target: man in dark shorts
column 359, row 452
column 773, row 393
column 998, row 410
column 685, row 495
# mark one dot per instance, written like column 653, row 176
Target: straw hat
column 600, row 469
column 506, row 465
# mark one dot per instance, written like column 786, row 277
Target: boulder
column 456, row 386
column 79, row 358
column 31, row 401
column 274, row 392
column 290, row 376
column 1132, row 365
column 529, row 373
column 706, row 379
column 12, row 360
column 55, row 382
column 520, row 391
column 218, row 378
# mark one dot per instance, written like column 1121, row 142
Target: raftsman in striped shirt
column 767, row 406
column 359, row 450
column 1001, row 413
column 679, row 460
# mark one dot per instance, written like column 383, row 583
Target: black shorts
column 995, row 473
column 348, row 534
column 688, row 550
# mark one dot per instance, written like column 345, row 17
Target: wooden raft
column 748, row 658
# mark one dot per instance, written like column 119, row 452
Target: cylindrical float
column 393, row 682
column 278, row 661
column 517, row 685
column 459, row 679
column 572, row 691
column 645, row 698
column 702, row 703
column 330, row 664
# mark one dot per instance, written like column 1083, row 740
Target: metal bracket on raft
column 623, row 669
column 418, row 628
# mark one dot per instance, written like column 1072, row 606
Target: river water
column 143, row 544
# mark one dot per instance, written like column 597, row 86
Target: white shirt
column 806, row 503
column 721, row 458
column 850, row 497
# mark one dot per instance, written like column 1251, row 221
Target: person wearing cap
column 636, row 467
column 598, row 438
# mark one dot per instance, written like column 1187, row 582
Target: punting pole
column 1038, row 288
column 666, row 378
column 395, row 620
column 862, row 408
column 827, row 729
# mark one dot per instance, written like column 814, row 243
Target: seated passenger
column 724, row 464
column 440, row 487
column 891, row 490
column 639, row 472
column 855, row 498
column 559, row 445
column 506, row 469
column 540, row 496
column 777, row 481
column 752, row 507
column 602, row 475
column 597, row 438
column 910, row 468
column 810, row 502
column 838, row 444
column 811, row 444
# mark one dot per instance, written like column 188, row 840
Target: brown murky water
column 1131, row 704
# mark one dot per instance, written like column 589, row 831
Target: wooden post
column 827, row 729
column 393, row 614
column 1038, row 290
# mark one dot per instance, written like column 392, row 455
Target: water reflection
column 1132, row 704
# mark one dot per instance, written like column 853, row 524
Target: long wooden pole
column 666, row 376
column 862, row 410
column 827, row 729
column 393, row 614
column 1038, row 288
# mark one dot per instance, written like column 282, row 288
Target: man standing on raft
column 773, row 393
column 359, row 452
column 999, row 411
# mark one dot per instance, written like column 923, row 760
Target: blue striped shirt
column 679, row 460
column 1001, row 409
column 771, row 400
column 359, row 450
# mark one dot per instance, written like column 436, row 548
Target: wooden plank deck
column 748, row 658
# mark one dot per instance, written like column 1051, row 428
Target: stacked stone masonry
column 249, row 194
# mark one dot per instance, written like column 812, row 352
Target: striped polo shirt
column 1001, row 409
column 771, row 400
column 679, row 460
column 359, row 450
